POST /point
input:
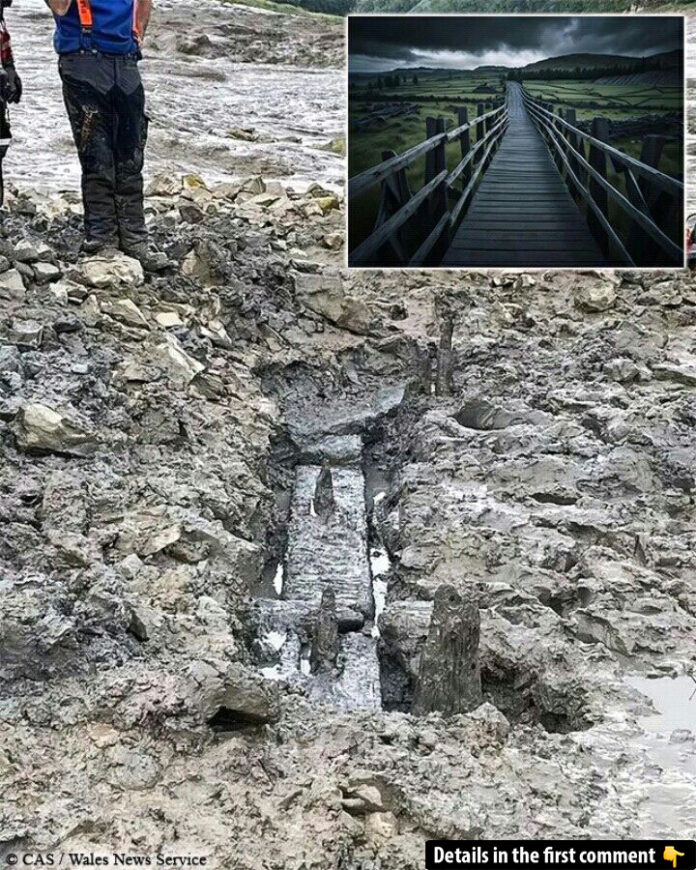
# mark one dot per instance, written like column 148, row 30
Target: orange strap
column 84, row 7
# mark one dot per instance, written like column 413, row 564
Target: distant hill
column 665, row 60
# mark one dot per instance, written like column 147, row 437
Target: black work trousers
column 105, row 100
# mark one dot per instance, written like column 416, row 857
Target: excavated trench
column 335, row 615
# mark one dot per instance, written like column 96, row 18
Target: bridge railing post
column 465, row 143
column 479, row 130
column 436, row 160
column 598, row 161
column 572, row 140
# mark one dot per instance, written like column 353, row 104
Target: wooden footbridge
column 532, row 191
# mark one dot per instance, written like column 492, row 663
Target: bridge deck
column 522, row 213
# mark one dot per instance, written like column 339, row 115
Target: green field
column 435, row 95
column 439, row 94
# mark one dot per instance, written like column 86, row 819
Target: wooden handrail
column 449, row 219
column 643, row 220
column 597, row 211
column 367, row 179
column 375, row 241
column 660, row 179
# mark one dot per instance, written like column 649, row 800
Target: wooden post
column 598, row 160
column 662, row 207
column 465, row 142
column 435, row 162
column 572, row 138
column 479, row 128
column 395, row 193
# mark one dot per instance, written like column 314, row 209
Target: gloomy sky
column 461, row 42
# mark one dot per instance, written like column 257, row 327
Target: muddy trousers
column 105, row 100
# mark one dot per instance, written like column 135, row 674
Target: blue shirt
column 112, row 31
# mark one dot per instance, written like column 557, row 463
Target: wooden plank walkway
column 522, row 214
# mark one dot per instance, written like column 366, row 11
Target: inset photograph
column 519, row 141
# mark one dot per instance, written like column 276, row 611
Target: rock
column 42, row 429
column 131, row 768
column 165, row 185
column 327, row 203
column 26, row 333
column 233, row 697
column 336, row 146
column 449, row 676
column 11, row 285
column 380, row 827
column 246, row 134
column 168, row 319
column 199, row 263
column 174, row 358
column 127, row 312
column 25, row 252
column 333, row 241
column 325, row 295
column 681, row 374
column 595, row 297
column 45, row 273
column 115, row 271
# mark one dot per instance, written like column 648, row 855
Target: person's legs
column 87, row 88
column 130, row 136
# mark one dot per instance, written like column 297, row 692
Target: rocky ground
column 188, row 460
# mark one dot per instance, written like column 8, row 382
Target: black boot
column 149, row 259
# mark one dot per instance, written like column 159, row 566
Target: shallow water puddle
column 674, row 699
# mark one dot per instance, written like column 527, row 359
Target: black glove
column 12, row 86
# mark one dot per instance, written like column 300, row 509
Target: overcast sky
column 462, row 42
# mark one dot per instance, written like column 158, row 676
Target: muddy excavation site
column 301, row 568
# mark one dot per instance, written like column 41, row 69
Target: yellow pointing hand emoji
column 671, row 854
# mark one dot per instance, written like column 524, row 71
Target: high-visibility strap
column 84, row 8
column 136, row 32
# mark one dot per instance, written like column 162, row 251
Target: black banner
column 561, row 854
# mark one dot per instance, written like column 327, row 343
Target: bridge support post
column 436, row 160
column 664, row 209
column 598, row 160
column 573, row 142
column 479, row 129
column 465, row 142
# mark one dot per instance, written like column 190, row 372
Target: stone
column 127, row 312
column 43, row 429
column 595, row 297
column 333, row 241
column 168, row 319
column 27, row 334
column 232, row 696
column 25, row 252
column 11, row 285
column 380, row 827
column 113, row 272
column 45, row 273
column 325, row 295
column 180, row 365
column 449, row 675
column 165, row 184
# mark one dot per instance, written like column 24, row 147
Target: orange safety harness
column 84, row 8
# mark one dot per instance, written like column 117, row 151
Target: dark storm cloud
column 410, row 40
